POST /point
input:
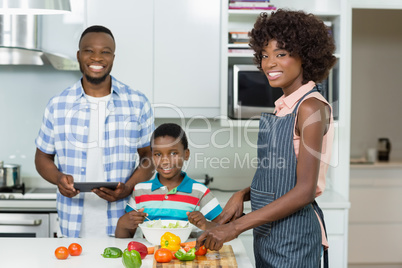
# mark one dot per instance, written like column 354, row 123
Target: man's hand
column 65, row 183
column 121, row 191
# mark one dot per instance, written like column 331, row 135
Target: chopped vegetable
column 158, row 224
column 131, row 259
column 112, row 252
column 151, row 250
column 182, row 255
column 170, row 241
column 201, row 251
column 191, row 244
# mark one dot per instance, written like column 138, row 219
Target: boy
column 171, row 194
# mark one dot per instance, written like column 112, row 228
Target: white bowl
column 153, row 235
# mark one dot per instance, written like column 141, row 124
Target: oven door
column 24, row 225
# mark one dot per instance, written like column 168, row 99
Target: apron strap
column 302, row 98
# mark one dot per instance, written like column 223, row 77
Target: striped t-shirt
column 162, row 204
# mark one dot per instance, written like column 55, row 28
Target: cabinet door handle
column 22, row 222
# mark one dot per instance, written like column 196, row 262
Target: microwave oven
column 250, row 93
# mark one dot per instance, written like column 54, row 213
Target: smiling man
column 96, row 128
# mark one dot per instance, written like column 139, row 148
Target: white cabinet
column 186, row 64
column 169, row 50
column 375, row 220
column 131, row 22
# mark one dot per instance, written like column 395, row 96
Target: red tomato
column 163, row 255
column 201, row 251
column 75, row 249
column 141, row 248
column 61, row 253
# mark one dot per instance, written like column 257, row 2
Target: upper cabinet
column 131, row 22
column 170, row 50
column 187, row 58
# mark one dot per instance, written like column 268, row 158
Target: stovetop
column 30, row 194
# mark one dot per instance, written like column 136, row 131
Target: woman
column 295, row 51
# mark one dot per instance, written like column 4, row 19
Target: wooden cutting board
column 224, row 258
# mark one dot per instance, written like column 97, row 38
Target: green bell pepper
column 112, row 252
column 182, row 255
column 131, row 259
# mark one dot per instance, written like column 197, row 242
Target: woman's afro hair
column 301, row 35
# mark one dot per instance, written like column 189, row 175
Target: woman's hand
column 214, row 238
column 233, row 208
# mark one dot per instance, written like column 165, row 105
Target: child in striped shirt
column 171, row 195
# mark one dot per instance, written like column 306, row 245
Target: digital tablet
column 88, row 186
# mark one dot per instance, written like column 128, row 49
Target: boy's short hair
column 171, row 130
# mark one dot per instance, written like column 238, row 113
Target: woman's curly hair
column 301, row 35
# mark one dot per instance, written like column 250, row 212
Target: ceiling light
column 35, row 7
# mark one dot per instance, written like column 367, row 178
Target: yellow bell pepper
column 170, row 241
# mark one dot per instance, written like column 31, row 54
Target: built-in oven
column 29, row 214
column 24, row 224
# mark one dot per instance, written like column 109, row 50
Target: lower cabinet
column 375, row 225
column 336, row 223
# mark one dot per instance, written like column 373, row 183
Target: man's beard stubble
column 94, row 80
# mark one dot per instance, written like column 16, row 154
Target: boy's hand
column 131, row 219
column 197, row 218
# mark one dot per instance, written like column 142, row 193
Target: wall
column 24, row 93
column 376, row 80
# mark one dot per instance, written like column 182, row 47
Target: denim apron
column 294, row 241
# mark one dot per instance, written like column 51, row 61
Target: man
column 95, row 128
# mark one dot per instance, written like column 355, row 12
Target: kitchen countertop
column 377, row 165
column 39, row 252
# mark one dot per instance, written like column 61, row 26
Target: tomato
column 61, row 253
column 201, row 251
column 141, row 248
column 75, row 249
column 163, row 255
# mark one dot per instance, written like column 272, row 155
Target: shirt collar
column 79, row 90
column 185, row 186
column 293, row 98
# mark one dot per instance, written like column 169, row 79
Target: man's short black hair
column 171, row 130
column 96, row 29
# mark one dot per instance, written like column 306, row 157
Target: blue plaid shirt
column 64, row 133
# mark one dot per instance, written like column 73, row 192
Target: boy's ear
column 186, row 154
